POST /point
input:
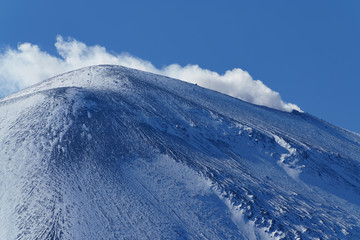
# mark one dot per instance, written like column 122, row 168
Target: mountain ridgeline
column 108, row 152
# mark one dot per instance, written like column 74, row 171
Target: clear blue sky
column 308, row 51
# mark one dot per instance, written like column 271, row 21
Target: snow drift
column 24, row 66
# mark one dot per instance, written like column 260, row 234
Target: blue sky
column 308, row 51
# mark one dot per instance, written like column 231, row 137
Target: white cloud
column 27, row 65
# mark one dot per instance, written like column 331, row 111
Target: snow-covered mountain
column 108, row 152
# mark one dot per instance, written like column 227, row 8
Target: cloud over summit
column 28, row 64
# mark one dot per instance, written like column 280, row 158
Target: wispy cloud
column 28, row 64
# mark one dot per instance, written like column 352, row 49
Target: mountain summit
column 108, row 152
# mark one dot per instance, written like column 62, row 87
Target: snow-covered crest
column 108, row 152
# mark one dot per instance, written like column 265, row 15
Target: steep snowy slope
column 108, row 152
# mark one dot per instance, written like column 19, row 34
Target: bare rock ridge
column 108, row 152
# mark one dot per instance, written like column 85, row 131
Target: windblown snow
column 108, row 152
